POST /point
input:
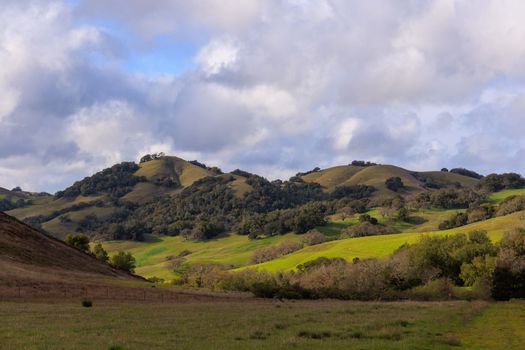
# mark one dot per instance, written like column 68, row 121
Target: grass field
column 498, row 197
column 252, row 324
column 152, row 257
column 500, row 326
column 378, row 246
column 235, row 251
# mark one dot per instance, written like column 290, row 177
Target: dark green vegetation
column 262, row 325
column 16, row 198
column 169, row 196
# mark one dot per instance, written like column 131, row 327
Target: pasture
column 260, row 324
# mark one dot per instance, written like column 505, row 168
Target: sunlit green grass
column 152, row 257
column 250, row 324
column 501, row 195
column 379, row 246
column 500, row 326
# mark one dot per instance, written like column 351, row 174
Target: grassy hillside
column 379, row 246
column 153, row 257
column 235, row 251
column 500, row 196
column 376, row 176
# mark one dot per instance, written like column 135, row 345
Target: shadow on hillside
column 417, row 220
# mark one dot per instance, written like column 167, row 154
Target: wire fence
column 117, row 293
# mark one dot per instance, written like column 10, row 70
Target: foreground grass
column 500, row 326
column 248, row 325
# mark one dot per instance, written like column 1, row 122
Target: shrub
column 313, row 237
column 511, row 205
column 367, row 218
column 367, row 229
column 123, row 261
column 87, row 303
column 440, row 289
column 79, row 241
column 100, row 253
column 394, row 183
column 273, row 252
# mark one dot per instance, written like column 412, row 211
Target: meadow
column 262, row 324
column 234, row 251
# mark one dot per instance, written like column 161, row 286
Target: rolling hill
column 165, row 176
column 28, row 256
column 113, row 194
column 376, row 175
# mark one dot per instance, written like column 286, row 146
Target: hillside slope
column 114, row 195
column 26, row 254
column 376, row 176
column 383, row 245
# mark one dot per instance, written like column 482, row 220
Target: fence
column 117, row 293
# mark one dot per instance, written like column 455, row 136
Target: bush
column 273, row 252
column 365, row 228
column 440, row 289
column 394, row 184
column 367, row 218
column 511, row 205
column 79, row 241
column 100, row 253
column 87, row 303
column 313, row 237
column 123, row 261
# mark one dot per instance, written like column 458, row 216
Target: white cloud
column 217, row 55
column 279, row 85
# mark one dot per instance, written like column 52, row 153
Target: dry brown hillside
column 27, row 254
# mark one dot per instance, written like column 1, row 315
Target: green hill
column 376, row 175
column 379, row 246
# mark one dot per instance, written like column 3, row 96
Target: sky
column 269, row 86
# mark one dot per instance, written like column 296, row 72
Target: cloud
column 276, row 86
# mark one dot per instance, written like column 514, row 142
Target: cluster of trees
column 498, row 182
column 471, row 215
column 394, row 183
column 511, row 205
column 154, row 156
column 115, row 181
column 215, row 170
column 209, row 208
column 273, row 252
column 362, row 163
column 433, row 269
column 298, row 220
column 466, row 172
column 367, row 226
column 314, row 170
column 122, row 260
column 448, row 199
column 10, row 204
